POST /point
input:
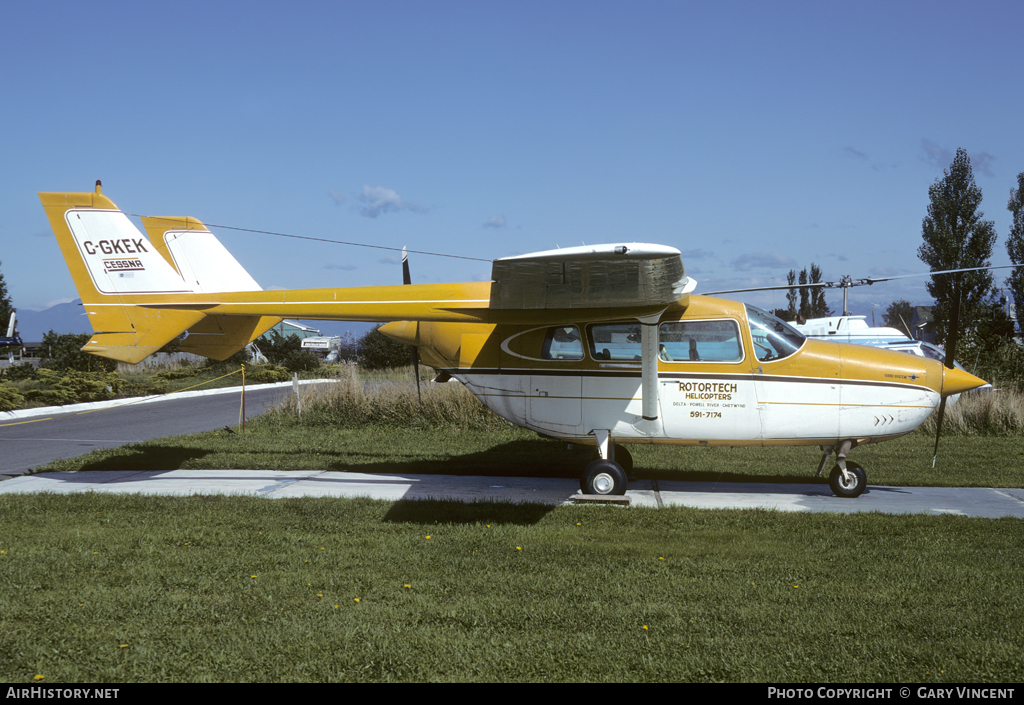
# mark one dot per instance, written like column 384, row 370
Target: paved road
column 974, row 502
column 32, row 438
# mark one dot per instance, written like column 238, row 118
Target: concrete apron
column 973, row 502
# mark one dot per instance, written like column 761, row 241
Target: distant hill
column 70, row 318
column 62, row 318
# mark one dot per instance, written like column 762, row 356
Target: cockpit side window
column 615, row 341
column 700, row 341
column 562, row 343
column 774, row 339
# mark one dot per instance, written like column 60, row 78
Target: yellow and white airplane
column 603, row 345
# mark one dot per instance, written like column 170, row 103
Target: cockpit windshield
column 774, row 339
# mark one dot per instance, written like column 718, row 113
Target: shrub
column 142, row 387
column 379, row 352
column 19, row 372
column 301, row 361
column 10, row 399
column 73, row 386
column 261, row 374
column 63, row 351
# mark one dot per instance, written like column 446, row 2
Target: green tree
column 6, row 309
column 805, row 296
column 818, row 307
column 898, row 315
column 277, row 347
column 987, row 344
column 63, row 351
column 812, row 299
column 791, row 296
column 956, row 237
column 1015, row 246
column 378, row 352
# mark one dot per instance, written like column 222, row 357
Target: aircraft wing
column 139, row 296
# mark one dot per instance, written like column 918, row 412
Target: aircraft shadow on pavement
column 539, row 458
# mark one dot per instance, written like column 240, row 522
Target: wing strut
column 651, row 422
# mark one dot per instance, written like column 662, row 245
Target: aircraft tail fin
column 117, row 271
column 207, row 266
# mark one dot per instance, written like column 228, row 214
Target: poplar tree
column 819, row 308
column 956, row 237
column 6, row 309
column 1015, row 247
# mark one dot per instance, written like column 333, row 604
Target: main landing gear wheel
column 848, row 488
column 623, row 458
column 603, row 477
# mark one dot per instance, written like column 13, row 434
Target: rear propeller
column 407, row 279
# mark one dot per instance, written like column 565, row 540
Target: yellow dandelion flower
column 645, row 628
column 38, row 678
column 356, row 599
column 407, row 585
column 123, row 646
column 428, row 537
column 519, row 548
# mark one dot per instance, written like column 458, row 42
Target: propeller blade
column 407, row 279
column 938, row 430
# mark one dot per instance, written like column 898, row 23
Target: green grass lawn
column 104, row 588
column 114, row 588
column 967, row 461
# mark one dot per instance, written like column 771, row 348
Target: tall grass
column 352, row 402
column 997, row 413
column 160, row 362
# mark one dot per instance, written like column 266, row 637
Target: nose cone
column 955, row 381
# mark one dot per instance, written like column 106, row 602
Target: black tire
column 849, row 490
column 624, row 459
column 603, row 477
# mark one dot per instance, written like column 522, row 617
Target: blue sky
column 756, row 137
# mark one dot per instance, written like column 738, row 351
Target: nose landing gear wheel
column 848, row 488
column 603, row 477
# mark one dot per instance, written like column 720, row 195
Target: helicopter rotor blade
column 847, row 282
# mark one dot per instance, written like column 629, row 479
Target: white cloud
column 377, row 200
column 943, row 158
column 496, row 222
column 768, row 260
